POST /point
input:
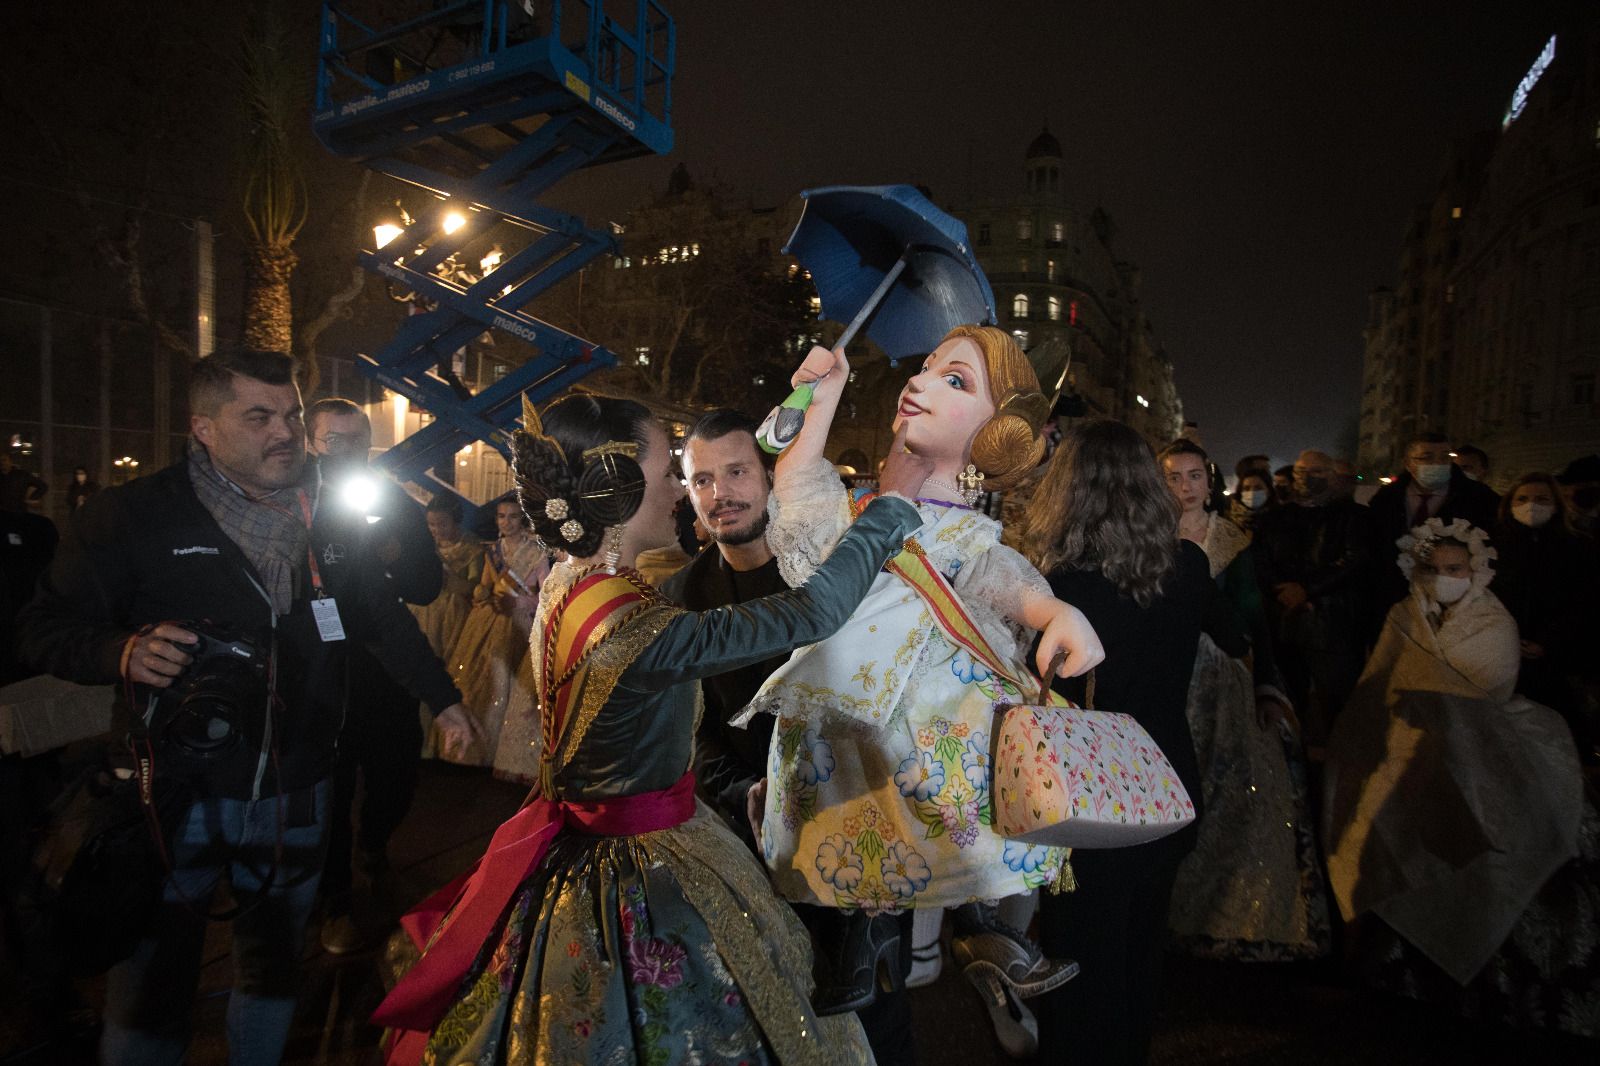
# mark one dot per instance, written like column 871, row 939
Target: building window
column 1058, row 231
column 1022, row 338
column 1023, row 264
column 983, row 233
column 1050, row 270
column 641, row 356
column 1053, row 305
column 1455, row 212
column 1019, row 305
column 1024, row 229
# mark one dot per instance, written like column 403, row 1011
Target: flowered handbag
column 1074, row 777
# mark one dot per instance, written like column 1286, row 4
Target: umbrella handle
column 874, row 300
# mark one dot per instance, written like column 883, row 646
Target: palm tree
column 273, row 191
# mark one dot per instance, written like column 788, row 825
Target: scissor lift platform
column 486, row 106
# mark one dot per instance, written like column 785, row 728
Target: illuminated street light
column 453, row 221
column 384, row 232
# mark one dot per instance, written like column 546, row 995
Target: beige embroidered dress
column 878, row 773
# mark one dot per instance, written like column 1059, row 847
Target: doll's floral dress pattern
column 878, row 773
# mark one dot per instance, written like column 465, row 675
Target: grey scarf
column 271, row 532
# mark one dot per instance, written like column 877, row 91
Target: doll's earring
column 970, row 482
column 613, row 548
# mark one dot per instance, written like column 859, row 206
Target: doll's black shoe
column 984, row 945
column 863, row 955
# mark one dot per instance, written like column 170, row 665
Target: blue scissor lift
column 486, row 106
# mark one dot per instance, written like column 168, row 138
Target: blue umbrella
column 885, row 258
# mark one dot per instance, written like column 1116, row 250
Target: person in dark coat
column 1548, row 576
column 1432, row 486
column 1102, row 527
column 1313, row 558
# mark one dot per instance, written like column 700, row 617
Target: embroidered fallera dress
column 1252, row 887
column 665, row 946
column 878, row 772
column 442, row 620
column 493, row 643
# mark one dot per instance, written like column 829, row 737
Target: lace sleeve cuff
column 808, row 512
column 1005, row 580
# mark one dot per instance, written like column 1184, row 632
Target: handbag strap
column 1050, row 676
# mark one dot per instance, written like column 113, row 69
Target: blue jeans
column 150, row 994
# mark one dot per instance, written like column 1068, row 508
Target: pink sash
column 462, row 915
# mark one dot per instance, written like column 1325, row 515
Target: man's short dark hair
column 1284, row 471
column 211, row 378
column 337, row 405
column 1427, row 437
column 1252, row 463
column 717, row 424
column 445, row 505
column 1473, row 449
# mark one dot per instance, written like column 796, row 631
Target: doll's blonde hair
column 1008, row 445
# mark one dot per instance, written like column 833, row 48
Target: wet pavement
column 1295, row 1014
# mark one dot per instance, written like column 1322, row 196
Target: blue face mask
column 1433, row 476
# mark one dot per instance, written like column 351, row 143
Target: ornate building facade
column 1060, row 288
column 1492, row 332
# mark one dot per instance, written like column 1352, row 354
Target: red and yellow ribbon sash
column 945, row 606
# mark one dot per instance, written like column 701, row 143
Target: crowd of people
column 754, row 699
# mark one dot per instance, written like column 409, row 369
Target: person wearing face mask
column 1548, row 576
column 1431, row 486
column 1252, row 498
column 1456, row 829
column 1473, row 461
column 1313, row 561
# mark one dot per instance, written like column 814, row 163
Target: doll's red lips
column 907, row 408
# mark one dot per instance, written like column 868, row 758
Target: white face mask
column 1531, row 514
column 1433, row 476
column 1255, row 499
column 1445, row 590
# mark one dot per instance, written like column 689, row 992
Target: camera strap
column 142, row 749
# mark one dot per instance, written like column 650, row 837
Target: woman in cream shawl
column 1454, row 810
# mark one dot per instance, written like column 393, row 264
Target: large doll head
column 977, row 400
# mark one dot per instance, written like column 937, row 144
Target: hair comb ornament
column 612, row 447
column 532, row 424
column 572, row 530
column 555, row 509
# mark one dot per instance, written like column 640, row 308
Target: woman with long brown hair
column 1104, row 530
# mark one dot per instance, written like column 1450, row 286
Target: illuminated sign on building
column 1519, row 99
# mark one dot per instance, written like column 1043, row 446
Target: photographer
column 233, row 537
column 382, row 739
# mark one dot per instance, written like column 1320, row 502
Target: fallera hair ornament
column 572, row 530
column 612, row 447
column 555, row 509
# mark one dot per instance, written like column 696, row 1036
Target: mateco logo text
column 515, row 328
column 198, row 549
column 607, row 108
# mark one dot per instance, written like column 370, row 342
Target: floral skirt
column 663, row 948
column 893, row 818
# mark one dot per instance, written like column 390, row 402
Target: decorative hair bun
column 570, row 504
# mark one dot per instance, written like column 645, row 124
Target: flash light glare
column 454, row 221
column 359, row 493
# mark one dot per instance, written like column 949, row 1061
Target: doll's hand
column 825, row 371
column 755, row 805
column 1070, row 633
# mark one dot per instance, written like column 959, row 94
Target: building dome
column 1044, row 146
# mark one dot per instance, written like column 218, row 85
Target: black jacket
column 149, row 552
column 1149, row 661
column 727, row 761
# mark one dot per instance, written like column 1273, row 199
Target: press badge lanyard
column 323, row 608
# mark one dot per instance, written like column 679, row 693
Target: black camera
column 211, row 720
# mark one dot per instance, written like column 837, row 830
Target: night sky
column 1260, row 160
